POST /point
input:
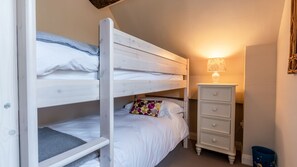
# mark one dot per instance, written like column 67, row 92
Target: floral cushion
column 146, row 107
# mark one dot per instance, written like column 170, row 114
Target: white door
column 9, row 140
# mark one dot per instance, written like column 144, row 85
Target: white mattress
column 139, row 141
column 118, row 75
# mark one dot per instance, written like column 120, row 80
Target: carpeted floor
column 181, row 157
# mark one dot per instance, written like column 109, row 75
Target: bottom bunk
column 139, row 140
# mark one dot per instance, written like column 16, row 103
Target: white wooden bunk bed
column 118, row 51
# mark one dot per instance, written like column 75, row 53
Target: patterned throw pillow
column 146, row 107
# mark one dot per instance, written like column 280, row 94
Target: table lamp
column 216, row 65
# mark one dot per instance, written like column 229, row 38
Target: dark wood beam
column 102, row 3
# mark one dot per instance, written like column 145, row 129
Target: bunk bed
column 118, row 51
column 139, row 140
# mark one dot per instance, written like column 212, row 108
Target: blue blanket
column 51, row 38
column 51, row 143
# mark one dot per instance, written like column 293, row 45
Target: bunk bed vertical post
column 106, row 90
column 26, row 29
column 186, row 101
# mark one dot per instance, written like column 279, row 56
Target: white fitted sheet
column 139, row 141
column 118, row 75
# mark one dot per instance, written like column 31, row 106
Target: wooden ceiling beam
column 102, row 3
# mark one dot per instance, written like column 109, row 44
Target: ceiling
column 201, row 28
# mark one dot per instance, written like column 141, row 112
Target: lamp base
column 215, row 77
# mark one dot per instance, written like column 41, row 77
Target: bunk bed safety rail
column 51, row 93
column 127, row 87
column 59, row 92
column 128, row 40
column 132, row 53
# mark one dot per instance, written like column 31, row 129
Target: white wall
column 8, row 86
column 259, row 98
column 286, row 100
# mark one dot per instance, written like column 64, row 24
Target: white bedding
column 55, row 61
column 51, row 57
column 139, row 141
column 118, row 75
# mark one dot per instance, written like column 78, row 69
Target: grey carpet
column 181, row 157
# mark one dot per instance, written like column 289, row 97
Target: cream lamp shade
column 216, row 65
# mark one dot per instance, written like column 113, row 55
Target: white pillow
column 167, row 108
column 171, row 107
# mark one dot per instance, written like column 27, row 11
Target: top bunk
column 119, row 52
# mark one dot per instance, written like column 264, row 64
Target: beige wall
column 67, row 112
column 77, row 19
column 198, row 29
column 233, row 74
column 259, row 97
column 286, row 101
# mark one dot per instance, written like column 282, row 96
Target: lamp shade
column 216, row 65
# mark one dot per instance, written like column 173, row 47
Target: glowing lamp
column 216, row 65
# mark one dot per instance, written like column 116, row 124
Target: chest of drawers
column 216, row 119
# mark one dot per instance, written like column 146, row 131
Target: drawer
column 222, row 126
column 221, row 142
column 215, row 109
column 216, row 93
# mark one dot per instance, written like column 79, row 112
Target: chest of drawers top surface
column 216, row 92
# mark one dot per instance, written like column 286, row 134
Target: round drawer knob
column 214, row 140
column 12, row 132
column 215, row 93
column 214, row 109
column 214, row 125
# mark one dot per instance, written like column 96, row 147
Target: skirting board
column 247, row 159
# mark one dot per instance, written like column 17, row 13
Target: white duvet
column 55, row 61
column 51, row 57
column 139, row 141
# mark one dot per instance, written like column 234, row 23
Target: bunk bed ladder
column 75, row 153
column 28, row 126
column 105, row 142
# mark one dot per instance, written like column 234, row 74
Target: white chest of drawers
column 216, row 118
